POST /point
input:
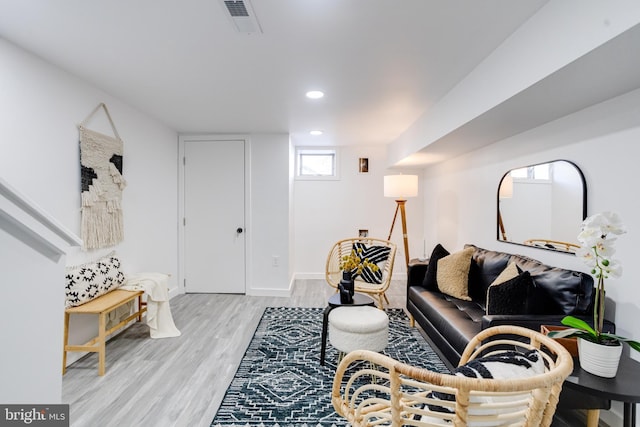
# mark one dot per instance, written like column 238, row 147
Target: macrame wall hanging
column 102, row 185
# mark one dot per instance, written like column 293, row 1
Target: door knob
column 239, row 230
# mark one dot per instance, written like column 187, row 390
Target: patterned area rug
column 280, row 381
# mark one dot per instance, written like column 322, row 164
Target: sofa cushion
column 456, row 320
column 509, row 293
column 554, row 291
column 453, row 274
column 486, row 266
column 430, row 279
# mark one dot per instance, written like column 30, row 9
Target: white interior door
column 214, row 242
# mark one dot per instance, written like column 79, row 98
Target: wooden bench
column 101, row 306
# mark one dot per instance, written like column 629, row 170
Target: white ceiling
column 381, row 63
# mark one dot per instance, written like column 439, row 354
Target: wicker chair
column 552, row 244
column 333, row 273
column 396, row 394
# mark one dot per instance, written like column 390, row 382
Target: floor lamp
column 401, row 187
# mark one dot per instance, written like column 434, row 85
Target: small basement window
column 542, row 173
column 316, row 163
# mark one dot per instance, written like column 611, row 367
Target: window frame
column 531, row 179
column 301, row 151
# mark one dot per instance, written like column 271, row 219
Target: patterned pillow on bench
column 90, row 280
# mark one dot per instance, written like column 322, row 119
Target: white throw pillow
column 87, row 281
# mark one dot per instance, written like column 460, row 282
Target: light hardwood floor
column 181, row 381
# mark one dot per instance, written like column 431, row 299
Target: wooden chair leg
column 102, row 337
column 65, row 340
column 593, row 417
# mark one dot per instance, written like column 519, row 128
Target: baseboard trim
column 308, row 276
column 174, row 292
column 271, row 292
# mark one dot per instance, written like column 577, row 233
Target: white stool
column 358, row 328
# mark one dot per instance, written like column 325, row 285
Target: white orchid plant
column 597, row 237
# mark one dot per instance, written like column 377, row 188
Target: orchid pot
column 599, row 359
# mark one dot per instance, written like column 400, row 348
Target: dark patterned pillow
column 509, row 293
column 90, row 280
column 430, row 279
column 377, row 255
column 504, row 365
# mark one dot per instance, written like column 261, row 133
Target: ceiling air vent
column 242, row 15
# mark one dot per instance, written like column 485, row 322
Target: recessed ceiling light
column 315, row 94
column 316, row 132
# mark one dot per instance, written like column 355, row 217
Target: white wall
column 327, row 211
column 269, row 215
column 602, row 140
column 568, row 195
column 31, row 358
column 40, row 107
column 529, row 198
column 33, row 249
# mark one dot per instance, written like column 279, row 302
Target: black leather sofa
column 450, row 323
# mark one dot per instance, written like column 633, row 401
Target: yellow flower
column 353, row 262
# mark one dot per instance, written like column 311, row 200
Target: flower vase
column 346, row 288
column 599, row 359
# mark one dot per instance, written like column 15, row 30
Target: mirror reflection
column 542, row 205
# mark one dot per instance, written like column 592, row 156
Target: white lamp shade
column 401, row 186
column 506, row 187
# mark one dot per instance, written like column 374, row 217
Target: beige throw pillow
column 509, row 292
column 508, row 273
column 453, row 274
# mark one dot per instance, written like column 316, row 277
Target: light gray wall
column 40, row 107
column 33, row 248
column 269, row 215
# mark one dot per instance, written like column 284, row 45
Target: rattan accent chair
column 553, row 244
column 393, row 393
column 333, row 273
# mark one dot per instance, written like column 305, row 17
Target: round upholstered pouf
column 358, row 328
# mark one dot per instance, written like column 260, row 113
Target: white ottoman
column 358, row 328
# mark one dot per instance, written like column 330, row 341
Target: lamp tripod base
column 400, row 207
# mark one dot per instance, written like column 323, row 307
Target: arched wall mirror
column 542, row 205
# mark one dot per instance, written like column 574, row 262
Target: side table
column 624, row 387
column 334, row 301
